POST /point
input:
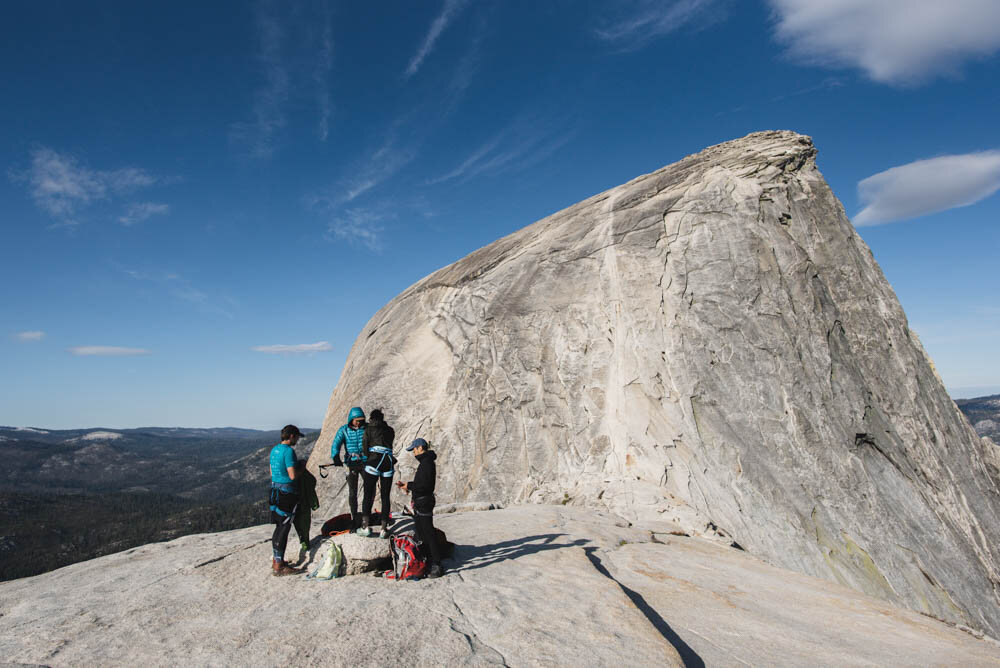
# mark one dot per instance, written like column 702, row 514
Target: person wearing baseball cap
column 284, row 498
column 422, row 489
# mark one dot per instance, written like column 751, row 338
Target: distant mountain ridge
column 168, row 460
column 67, row 495
column 984, row 414
column 52, row 435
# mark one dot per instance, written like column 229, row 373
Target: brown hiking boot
column 282, row 568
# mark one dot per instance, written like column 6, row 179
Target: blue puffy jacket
column 350, row 440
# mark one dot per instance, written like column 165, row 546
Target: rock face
column 529, row 585
column 711, row 345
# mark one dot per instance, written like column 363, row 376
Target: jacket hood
column 356, row 412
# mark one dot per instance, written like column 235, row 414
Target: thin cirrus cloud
column 259, row 135
column 30, row 336
column 641, row 21
column 391, row 156
column 136, row 213
column 526, row 141
column 294, row 349
column 107, row 351
column 287, row 36
column 62, row 187
column 321, row 74
column 357, row 226
column 928, row 186
column 451, row 9
column 898, row 42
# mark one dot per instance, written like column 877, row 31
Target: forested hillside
column 984, row 414
column 67, row 496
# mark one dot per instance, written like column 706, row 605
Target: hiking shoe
column 384, row 533
column 364, row 531
column 279, row 568
column 435, row 571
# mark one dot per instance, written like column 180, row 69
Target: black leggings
column 303, row 518
column 384, row 490
column 288, row 503
column 352, row 490
column 279, row 539
column 424, row 525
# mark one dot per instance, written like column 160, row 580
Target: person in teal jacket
column 284, row 496
column 349, row 438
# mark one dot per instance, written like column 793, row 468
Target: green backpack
column 332, row 564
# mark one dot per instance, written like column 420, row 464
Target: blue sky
column 203, row 203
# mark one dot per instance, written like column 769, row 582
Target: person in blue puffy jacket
column 349, row 438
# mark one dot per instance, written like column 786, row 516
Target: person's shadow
column 471, row 557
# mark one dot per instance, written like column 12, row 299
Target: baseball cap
column 417, row 443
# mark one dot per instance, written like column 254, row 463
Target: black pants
column 352, row 491
column 283, row 523
column 384, row 491
column 303, row 518
column 424, row 525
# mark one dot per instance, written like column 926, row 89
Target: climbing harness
column 376, row 470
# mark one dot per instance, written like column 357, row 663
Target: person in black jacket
column 422, row 489
column 308, row 502
column 376, row 447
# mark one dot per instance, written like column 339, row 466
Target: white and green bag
column 331, row 566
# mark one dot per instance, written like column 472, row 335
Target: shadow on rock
column 471, row 557
column 688, row 655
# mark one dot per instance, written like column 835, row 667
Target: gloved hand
column 337, row 462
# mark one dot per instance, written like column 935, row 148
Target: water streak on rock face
column 710, row 345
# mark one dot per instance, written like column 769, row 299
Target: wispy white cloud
column 466, row 67
column 928, row 186
column 451, row 9
column 321, row 75
column 136, row 213
column 358, row 227
column 294, row 349
column 390, row 157
column 527, row 141
column 639, row 22
column 260, row 134
column 128, row 179
column 108, row 351
column 30, row 336
column 471, row 164
column 62, row 187
column 893, row 41
column 829, row 83
column 182, row 289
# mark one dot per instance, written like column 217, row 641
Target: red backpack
column 406, row 561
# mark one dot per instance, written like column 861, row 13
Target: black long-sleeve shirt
column 422, row 485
